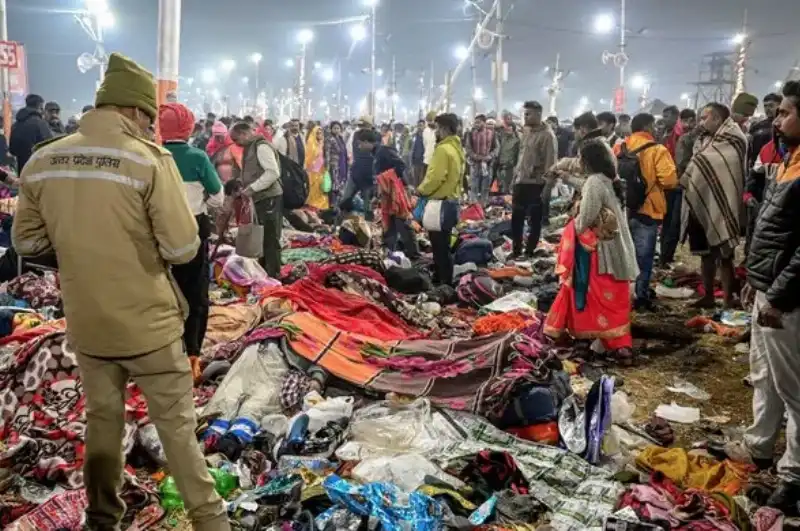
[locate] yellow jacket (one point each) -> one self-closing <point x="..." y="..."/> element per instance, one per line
<point x="113" y="208"/>
<point x="445" y="171"/>
<point x="658" y="170"/>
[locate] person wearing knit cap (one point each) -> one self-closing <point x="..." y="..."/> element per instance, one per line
<point x="113" y="208"/>
<point x="203" y="189"/>
<point x="743" y="108"/>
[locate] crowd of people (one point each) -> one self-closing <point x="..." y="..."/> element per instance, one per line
<point x="131" y="223"/>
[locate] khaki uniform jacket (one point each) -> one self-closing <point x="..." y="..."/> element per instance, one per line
<point x="113" y="208"/>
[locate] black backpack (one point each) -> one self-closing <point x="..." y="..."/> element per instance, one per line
<point x="294" y="180"/>
<point x="630" y="171"/>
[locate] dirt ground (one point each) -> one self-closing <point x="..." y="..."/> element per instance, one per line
<point x="667" y="350"/>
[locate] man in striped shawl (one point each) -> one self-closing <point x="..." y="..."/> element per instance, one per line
<point x="712" y="200"/>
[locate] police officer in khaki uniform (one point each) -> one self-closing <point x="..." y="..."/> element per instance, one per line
<point x="112" y="206"/>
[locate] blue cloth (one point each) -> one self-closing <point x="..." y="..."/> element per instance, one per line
<point x="644" y="237"/>
<point x="478" y="251"/>
<point x="362" y="172"/>
<point x="581" y="276"/>
<point x="418" y="150"/>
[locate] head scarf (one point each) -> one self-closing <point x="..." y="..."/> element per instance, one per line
<point x="314" y="148"/>
<point x="175" y="122"/>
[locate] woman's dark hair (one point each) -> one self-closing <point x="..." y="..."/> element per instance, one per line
<point x="448" y="121"/>
<point x="598" y="158"/>
<point x="334" y="123"/>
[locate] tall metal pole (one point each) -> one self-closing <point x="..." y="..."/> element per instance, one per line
<point x="4" y="78"/>
<point x="301" y="83"/>
<point x="741" y="59"/>
<point x="500" y="65"/>
<point x="169" y="46"/>
<point x="474" y="85"/>
<point x="430" y="90"/>
<point x="454" y="73"/>
<point x="622" y="31"/>
<point x="393" y="94"/>
<point x="372" y="64"/>
<point x="555" y="86"/>
<point x="339" y="90"/>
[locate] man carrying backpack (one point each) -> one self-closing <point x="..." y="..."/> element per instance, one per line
<point x="648" y="171"/>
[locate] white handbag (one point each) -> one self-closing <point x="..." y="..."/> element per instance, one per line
<point x="432" y="215"/>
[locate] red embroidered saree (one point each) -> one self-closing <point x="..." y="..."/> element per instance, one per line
<point x="588" y="305"/>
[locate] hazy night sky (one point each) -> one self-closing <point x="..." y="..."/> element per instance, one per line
<point x="676" y="34"/>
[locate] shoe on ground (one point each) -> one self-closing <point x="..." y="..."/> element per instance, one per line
<point x="738" y="452"/>
<point x="785" y="498"/>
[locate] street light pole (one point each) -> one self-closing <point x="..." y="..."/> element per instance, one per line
<point x="500" y="66"/>
<point x="169" y="35"/>
<point x="301" y="83"/>
<point x="4" y="78"/>
<point x="372" y="65"/>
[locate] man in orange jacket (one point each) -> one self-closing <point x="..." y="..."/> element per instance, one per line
<point x="660" y="175"/>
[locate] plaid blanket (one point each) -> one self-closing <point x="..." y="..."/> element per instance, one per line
<point x="476" y="375"/>
<point x="713" y="184"/>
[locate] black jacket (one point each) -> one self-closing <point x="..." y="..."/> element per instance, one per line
<point x="30" y="129"/>
<point x="773" y="265"/>
<point x="386" y="158"/>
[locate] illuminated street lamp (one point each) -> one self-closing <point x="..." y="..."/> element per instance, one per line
<point x="94" y="19"/>
<point x="640" y="82"/>
<point x="778" y="84"/>
<point x="358" y="33"/>
<point x="461" y="52"/>
<point x="208" y="76"/>
<point x="478" y="94"/>
<point x="739" y="39"/>
<point x="327" y="75"/>
<point x="228" y="65"/>
<point x="604" y="24"/>
<point x="289" y="63"/>
<point x="256" y="60"/>
<point x="304" y="37"/>
<point x="373" y="5"/>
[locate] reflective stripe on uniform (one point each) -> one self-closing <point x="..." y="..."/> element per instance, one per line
<point x="77" y="174"/>
<point x="170" y="254"/>
<point x="93" y="151"/>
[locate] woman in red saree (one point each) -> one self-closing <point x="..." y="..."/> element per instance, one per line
<point x="596" y="263"/>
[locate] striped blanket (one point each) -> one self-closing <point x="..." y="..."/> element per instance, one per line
<point x="475" y="375"/>
<point x="713" y="184"/>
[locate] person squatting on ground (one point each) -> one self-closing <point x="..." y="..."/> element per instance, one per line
<point x="113" y="207"/>
<point x="538" y="153"/>
<point x="203" y="190"/>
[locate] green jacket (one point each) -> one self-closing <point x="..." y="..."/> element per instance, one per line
<point x="509" y="149"/>
<point x="445" y="172"/>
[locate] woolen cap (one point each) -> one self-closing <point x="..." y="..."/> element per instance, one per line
<point x="127" y="84"/>
<point x="745" y="104"/>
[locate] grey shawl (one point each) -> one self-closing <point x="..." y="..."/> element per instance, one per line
<point x="617" y="257"/>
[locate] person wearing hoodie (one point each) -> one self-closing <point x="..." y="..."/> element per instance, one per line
<point x="52" y="114"/>
<point x="30" y="129"/>
<point x="442" y="182"/>
<point x="203" y="189"/>
<point x="538" y="153"/>
<point x="362" y="172"/>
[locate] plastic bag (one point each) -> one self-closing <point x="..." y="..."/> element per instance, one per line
<point x="676" y="413"/>
<point x="327" y="183"/>
<point x="572" y="425"/>
<point x="666" y="292"/>
<point x="689" y="389"/>
<point x="396" y="510"/>
<point x="385" y="429"/>
<point x="407" y="471"/>
<point x="330" y="410"/>
<point x="516" y="300"/>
